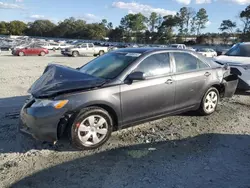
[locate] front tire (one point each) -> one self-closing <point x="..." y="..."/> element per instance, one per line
<point x="75" y="54"/>
<point x="91" y="128"/>
<point x="42" y="54"/>
<point x="209" y="101"/>
<point x="21" y="53"/>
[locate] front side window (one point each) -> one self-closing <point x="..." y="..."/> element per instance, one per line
<point x="186" y="62"/>
<point x="155" y="65"/>
<point x="84" y="46"/>
<point x="110" y="65"/>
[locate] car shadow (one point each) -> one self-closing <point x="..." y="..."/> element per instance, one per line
<point x="11" y="140"/>
<point x="209" y="160"/>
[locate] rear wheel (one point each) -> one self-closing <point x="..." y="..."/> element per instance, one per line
<point x="42" y="54"/>
<point x="101" y="53"/>
<point x="75" y="54"/>
<point x="91" y="128"/>
<point x="209" y="102"/>
<point x="21" y="54"/>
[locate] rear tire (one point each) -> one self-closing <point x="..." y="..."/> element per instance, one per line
<point x="101" y="53"/>
<point x="75" y="54"/>
<point x="21" y="53"/>
<point x="209" y="102"/>
<point x="91" y="128"/>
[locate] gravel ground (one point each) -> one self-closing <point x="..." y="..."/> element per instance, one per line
<point x="181" y="151"/>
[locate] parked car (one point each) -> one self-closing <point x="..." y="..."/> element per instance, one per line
<point x="208" y="52"/>
<point x="238" y="57"/>
<point x="179" y="46"/>
<point x="31" y="50"/>
<point x="85" y="49"/>
<point x="119" y="89"/>
<point x="50" y="46"/>
<point x="63" y="46"/>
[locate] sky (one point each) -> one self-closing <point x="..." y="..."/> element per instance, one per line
<point x="113" y="11"/>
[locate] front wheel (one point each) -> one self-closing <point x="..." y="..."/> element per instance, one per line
<point x="42" y="54"/>
<point x="75" y="54"/>
<point x="21" y="54"/>
<point x="91" y="128"/>
<point x="209" y="101"/>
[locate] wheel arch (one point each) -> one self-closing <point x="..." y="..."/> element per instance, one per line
<point x="67" y="120"/>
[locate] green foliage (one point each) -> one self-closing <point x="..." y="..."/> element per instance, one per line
<point x="227" y="25"/>
<point x="200" y="20"/>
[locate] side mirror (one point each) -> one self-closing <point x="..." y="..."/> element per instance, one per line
<point x="136" y="76"/>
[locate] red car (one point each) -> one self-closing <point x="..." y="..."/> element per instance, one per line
<point x="31" y="50"/>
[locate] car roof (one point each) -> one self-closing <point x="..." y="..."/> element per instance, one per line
<point x="148" y="50"/>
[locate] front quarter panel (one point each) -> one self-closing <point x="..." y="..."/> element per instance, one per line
<point x="108" y="96"/>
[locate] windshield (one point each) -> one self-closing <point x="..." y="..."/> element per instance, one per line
<point x="109" y="65"/>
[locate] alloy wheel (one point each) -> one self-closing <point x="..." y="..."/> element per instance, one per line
<point x="92" y="130"/>
<point x="211" y="101"/>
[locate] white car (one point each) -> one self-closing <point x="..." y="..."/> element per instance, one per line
<point x="238" y="58"/>
<point x="64" y="46"/>
<point x="179" y="46"/>
<point x="207" y="52"/>
<point x="85" y="49"/>
<point x="50" y="46"/>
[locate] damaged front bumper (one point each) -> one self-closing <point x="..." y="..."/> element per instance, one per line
<point x="40" y="122"/>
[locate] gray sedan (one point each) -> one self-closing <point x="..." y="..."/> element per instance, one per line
<point x="119" y="89"/>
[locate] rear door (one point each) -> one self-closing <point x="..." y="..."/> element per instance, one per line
<point x="152" y="96"/>
<point x="191" y="78"/>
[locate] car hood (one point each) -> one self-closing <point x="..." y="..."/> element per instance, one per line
<point x="57" y="79"/>
<point x="233" y="60"/>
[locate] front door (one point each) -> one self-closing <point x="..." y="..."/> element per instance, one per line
<point x="153" y="96"/>
<point x="91" y="49"/>
<point x="191" y="79"/>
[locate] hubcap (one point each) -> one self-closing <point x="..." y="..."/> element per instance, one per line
<point x="92" y="130"/>
<point x="211" y="101"/>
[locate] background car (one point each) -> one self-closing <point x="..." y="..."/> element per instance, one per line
<point x="207" y="52"/>
<point x="85" y="49"/>
<point x="238" y="57"/>
<point x="120" y="89"/>
<point x="31" y="50"/>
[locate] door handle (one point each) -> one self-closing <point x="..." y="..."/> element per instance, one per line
<point x="169" y="81"/>
<point x="207" y="74"/>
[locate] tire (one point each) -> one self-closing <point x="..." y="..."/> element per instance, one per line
<point x="101" y="53"/>
<point x="82" y="134"/>
<point x="75" y="53"/>
<point x="209" y="101"/>
<point x="21" y="54"/>
<point x="42" y="53"/>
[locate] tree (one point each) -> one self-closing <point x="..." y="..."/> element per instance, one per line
<point x="41" y="28"/>
<point x="245" y="18"/>
<point x="153" y="19"/>
<point x="16" y="27"/>
<point x="166" y="29"/>
<point x="200" y="20"/>
<point x="3" y="28"/>
<point x="227" y="25"/>
<point x="110" y="25"/>
<point x="185" y="16"/>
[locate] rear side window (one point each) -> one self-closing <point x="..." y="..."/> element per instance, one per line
<point x="155" y="65"/>
<point x="91" y="45"/>
<point x="186" y="62"/>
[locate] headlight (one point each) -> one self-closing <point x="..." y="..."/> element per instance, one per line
<point x="56" y="104"/>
